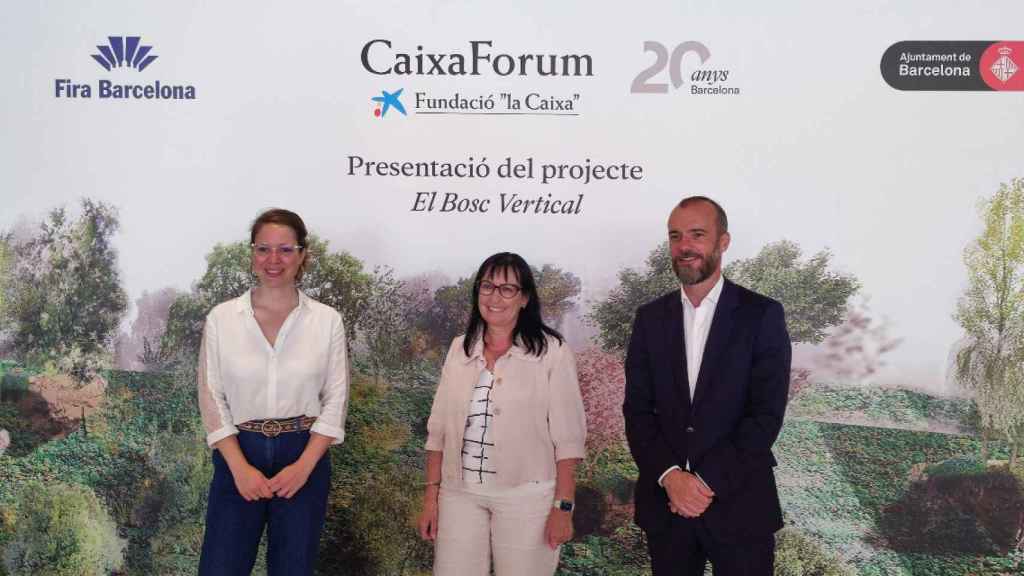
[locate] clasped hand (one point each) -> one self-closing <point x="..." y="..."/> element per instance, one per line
<point x="253" y="485"/>
<point x="687" y="495"/>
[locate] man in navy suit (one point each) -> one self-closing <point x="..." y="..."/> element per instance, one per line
<point x="707" y="377"/>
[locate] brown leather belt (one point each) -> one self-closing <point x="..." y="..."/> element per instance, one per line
<point x="271" y="427"/>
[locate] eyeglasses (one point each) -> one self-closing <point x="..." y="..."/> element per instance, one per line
<point x="506" y="290"/>
<point x="284" y="250"/>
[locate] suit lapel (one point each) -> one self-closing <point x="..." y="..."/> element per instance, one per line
<point x="677" y="347"/>
<point x="718" y="338"/>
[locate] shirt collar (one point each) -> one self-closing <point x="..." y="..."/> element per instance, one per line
<point x="477" y="351"/>
<point x="712" y="296"/>
<point x="245" y="301"/>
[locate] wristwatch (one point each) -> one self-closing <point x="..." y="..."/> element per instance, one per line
<point x="564" y="505"/>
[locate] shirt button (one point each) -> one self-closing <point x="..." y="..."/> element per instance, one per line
<point x="689" y="429"/>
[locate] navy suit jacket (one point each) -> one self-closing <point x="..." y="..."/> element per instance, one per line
<point x="727" y="429"/>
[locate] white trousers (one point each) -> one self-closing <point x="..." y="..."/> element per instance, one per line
<point x="478" y="522"/>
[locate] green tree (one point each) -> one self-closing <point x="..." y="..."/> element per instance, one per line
<point x="557" y="290"/>
<point x="448" y="317"/>
<point x="336" y="279"/>
<point x="68" y="301"/>
<point x="991" y="312"/>
<point x="184" y="330"/>
<point x="384" y="323"/>
<point x="814" y="297"/>
<point x="228" y="274"/>
<point x="613" y="316"/>
<point x="62" y="529"/>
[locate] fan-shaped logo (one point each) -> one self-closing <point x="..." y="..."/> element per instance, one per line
<point x="124" y="52"/>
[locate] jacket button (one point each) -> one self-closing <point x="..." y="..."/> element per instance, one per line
<point x="497" y="380"/>
<point x="689" y="429"/>
<point x="497" y="411"/>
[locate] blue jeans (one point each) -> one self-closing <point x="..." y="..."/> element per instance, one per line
<point x="234" y="527"/>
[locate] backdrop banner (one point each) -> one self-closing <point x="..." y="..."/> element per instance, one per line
<point x="867" y="155"/>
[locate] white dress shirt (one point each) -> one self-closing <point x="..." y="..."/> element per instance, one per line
<point x="696" y="327"/>
<point x="242" y="377"/>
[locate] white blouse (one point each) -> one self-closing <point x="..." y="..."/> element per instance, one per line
<point x="242" y="377"/>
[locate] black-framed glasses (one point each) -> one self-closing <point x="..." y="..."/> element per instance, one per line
<point x="506" y="290"/>
<point x="284" y="250"/>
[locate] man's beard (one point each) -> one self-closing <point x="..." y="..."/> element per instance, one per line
<point x="689" y="276"/>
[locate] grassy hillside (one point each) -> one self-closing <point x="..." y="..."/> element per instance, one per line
<point x="883" y="499"/>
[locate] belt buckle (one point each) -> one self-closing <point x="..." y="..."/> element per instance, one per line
<point x="271" y="428"/>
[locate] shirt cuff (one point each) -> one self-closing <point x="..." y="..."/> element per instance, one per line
<point x="566" y="450"/>
<point x="665" y="473"/>
<point x="327" y="430"/>
<point x="220" y="434"/>
<point x="702" y="481"/>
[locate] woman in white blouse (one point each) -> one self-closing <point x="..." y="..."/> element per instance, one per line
<point x="273" y="387"/>
<point x="504" y="436"/>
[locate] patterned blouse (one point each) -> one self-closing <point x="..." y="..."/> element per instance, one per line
<point x="477" y="443"/>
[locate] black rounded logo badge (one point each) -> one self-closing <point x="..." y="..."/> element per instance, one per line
<point x="954" y="65"/>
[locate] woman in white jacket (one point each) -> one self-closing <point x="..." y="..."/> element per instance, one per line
<point x="504" y="436"/>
